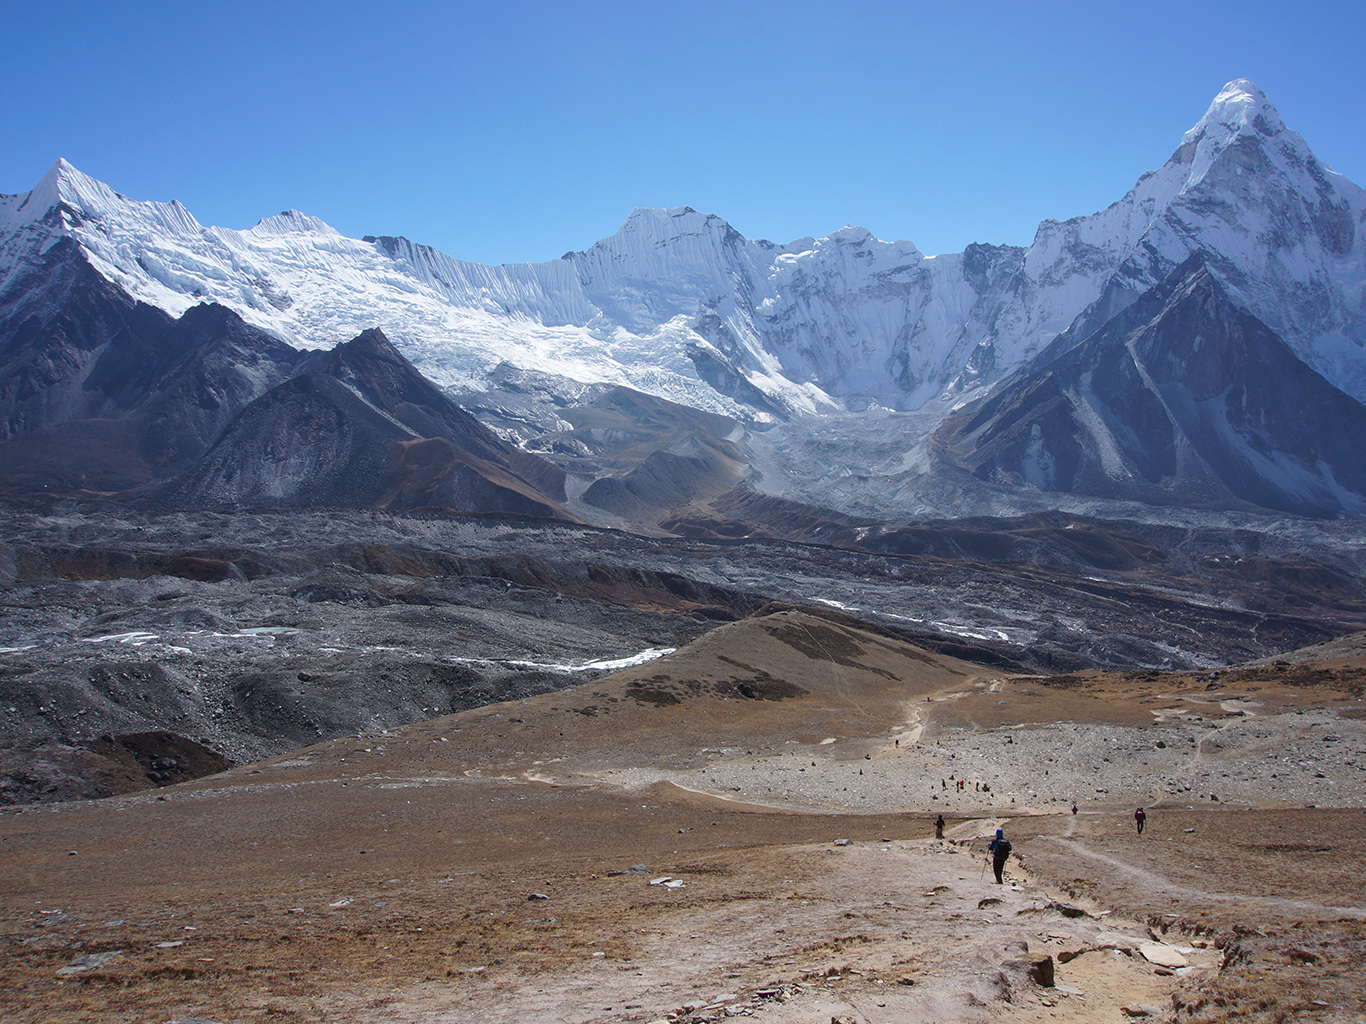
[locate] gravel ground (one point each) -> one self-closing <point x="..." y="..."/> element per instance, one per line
<point x="1252" y="748"/>
<point x="518" y="862"/>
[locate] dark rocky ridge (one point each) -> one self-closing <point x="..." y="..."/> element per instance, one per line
<point x="1181" y="398"/>
<point x="103" y="396"/>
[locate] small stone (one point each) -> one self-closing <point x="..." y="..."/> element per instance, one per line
<point x="1116" y="940"/>
<point x="538" y="896"/>
<point x="89" y="962"/>
<point x="1039" y="969"/>
<point x="1066" y="910"/>
<point x="1161" y="954"/>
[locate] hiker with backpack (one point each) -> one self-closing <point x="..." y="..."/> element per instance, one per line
<point x="999" y="849"/>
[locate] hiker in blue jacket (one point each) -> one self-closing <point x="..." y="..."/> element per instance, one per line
<point x="1000" y="850"/>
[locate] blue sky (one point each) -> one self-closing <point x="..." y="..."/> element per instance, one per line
<point x="517" y="131"/>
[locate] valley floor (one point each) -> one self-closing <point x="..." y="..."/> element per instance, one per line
<point x="661" y="845"/>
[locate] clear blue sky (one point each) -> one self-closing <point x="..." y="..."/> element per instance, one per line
<point x="517" y="131"/>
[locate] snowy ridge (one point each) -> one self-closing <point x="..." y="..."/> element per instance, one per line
<point x="845" y="320"/>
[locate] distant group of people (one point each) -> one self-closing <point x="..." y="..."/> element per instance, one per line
<point x="961" y="785"/>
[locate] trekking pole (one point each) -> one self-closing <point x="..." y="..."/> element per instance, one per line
<point x="983" y="876"/>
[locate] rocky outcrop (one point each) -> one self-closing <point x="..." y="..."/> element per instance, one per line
<point x="1181" y="398"/>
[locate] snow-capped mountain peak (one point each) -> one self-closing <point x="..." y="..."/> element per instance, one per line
<point x="93" y="200"/>
<point x="62" y="184"/>
<point x="852" y="234"/>
<point x="679" y="304"/>
<point x="292" y="222"/>
<point x="1244" y="128"/>
<point x="1240" y="108"/>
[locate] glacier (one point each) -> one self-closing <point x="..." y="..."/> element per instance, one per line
<point x="680" y="305"/>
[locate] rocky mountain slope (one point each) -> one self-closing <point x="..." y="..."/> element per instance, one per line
<point x="1180" y="398"/>
<point x="104" y="395"/>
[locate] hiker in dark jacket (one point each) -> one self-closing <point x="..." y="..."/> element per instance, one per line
<point x="1000" y="850"/>
<point x="939" y="828"/>
<point x="1140" y="819"/>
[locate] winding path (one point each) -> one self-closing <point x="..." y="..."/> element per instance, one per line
<point x="1159" y="883"/>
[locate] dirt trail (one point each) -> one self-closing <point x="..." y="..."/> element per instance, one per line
<point x="1160" y="887"/>
<point x="886" y="931"/>
<point x="496" y="865"/>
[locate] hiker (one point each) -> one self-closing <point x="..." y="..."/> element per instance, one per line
<point x="1139" y="819"/>
<point x="999" y="850"/>
<point x="1074" y="807"/>
<point x="939" y="828"/>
